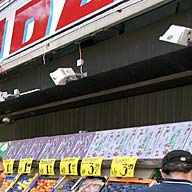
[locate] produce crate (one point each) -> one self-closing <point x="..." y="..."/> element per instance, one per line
<point x="91" y="184"/>
<point x="7" y="182"/>
<point x="67" y="183"/>
<point x="21" y="183"/>
<point x="126" y="184"/>
<point x="43" y="184"/>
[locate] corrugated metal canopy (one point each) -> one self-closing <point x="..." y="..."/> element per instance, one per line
<point x="168" y="70"/>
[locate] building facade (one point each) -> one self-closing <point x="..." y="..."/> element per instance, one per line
<point x="133" y="79"/>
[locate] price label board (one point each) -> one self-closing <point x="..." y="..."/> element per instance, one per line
<point x="25" y="165"/>
<point x="8" y="165"/>
<point x="91" y="166"/>
<point x="123" y="166"/>
<point x="69" y="166"/>
<point x="46" y="166"/>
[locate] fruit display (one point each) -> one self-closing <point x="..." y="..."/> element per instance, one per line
<point x="6" y="183"/>
<point x="21" y="184"/>
<point x="91" y="184"/>
<point x="67" y="183"/>
<point x="44" y="185"/>
<point x="121" y="188"/>
<point x="126" y="184"/>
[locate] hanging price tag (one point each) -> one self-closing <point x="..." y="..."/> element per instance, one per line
<point x="91" y="166"/>
<point x="46" y="166"/>
<point x="25" y="165"/>
<point x="123" y="166"/>
<point x="8" y="165"/>
<point x="68" y="166"/>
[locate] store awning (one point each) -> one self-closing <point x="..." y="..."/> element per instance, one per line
<point x="165" y="71"/>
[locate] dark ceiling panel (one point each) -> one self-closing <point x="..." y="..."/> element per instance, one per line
<point x="165" y="65"/>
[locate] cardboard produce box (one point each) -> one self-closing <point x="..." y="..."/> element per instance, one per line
<point x="126" y="184"/>
<point x="67" y="183"/>
<point x="43" y="184"/>
<point x="21" y="183"/>
<point x="9" y="179"/>
<point x="91" y="184"/>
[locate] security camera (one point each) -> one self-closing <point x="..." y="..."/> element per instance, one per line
<point x="62" y="75"/>
<point x="6" y="120"/>
<point x="3" y="96"/>
<point x="178" y="34"/>
<point x="16" y="92"/>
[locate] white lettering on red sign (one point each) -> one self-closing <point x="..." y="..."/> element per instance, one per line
<point x="26" y="22"/>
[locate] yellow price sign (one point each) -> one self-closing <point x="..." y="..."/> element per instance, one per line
<point x="69" y="166"/>
<point x="46" y="166"/>
<point x="91" y="166"/>
<point x="8" y="165"/>
<point x="123" y="166"/>
<point x="25" y="165"/>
